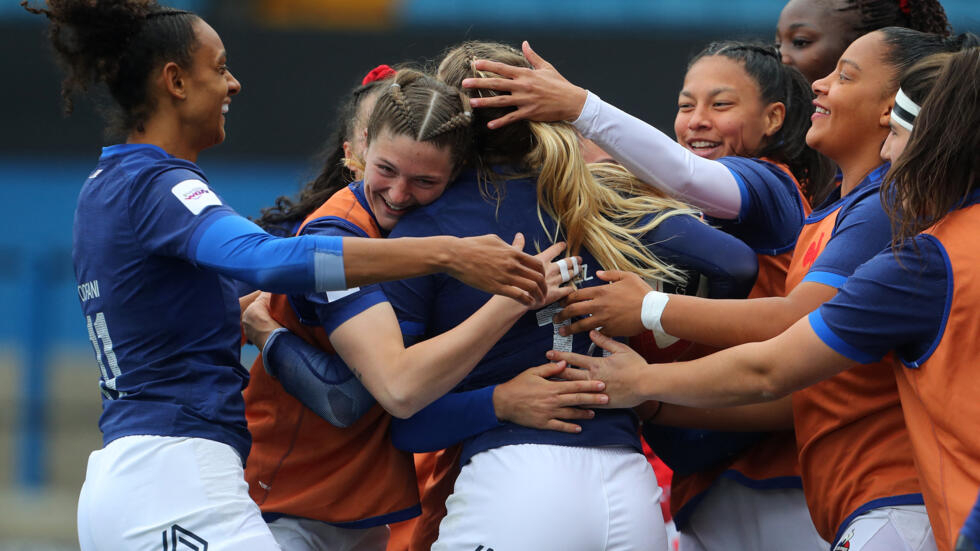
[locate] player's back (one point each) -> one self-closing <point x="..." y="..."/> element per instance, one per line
<point x="164" y="331"/>
<point x="431" y="305"/>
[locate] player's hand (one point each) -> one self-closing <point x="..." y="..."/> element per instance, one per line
<point x="245" y="301"/>
<point x="615" y="307"/>
<point x="557" y="274"/>
<point x="489" y="264"/>
<point x="541" y="94"/>
<point x="621" y="371"/>
<point x="532" y="400"/>
<point x="257" y="321"/>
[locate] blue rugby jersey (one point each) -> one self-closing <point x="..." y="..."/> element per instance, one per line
<point x="150" y="237"/>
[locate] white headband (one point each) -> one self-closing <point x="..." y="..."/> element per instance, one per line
<point x="905" y="111"/>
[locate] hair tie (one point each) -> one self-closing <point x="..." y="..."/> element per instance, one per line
<point x="904" y="111"/>
<point x="380" y="72"/>
<point x="904" y="6"/>
<point x="395" y="85"/>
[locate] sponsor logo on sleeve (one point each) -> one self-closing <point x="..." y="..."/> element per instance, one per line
<point x="195" y="195"/>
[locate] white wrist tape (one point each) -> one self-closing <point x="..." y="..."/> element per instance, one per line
<point x="653" y="307"/>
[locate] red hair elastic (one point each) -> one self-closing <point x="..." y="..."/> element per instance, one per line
<point x="382" y="72"/>
<point x="904" y="6"/>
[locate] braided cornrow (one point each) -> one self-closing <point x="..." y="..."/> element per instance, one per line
<point x="420" y="106"/>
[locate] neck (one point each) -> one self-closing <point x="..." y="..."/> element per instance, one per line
<point x="165" y="133"/>
<point x="856" y="167"/>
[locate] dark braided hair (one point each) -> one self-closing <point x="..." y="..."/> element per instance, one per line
<point x="927" y="16"/>
<point x="783" y="84"/>
<point x="281" y="218"/>
<point x="117" y="43"/>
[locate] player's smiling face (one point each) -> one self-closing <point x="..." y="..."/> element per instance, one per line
<point x="209" y="86"/>
<point x="401" y="174"/>
<point x="853" y="103"/>
<point x="720" y="112"/>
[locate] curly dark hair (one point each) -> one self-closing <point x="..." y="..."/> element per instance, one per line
<point x="117" y="43"/>
<point x="926" y="16"/>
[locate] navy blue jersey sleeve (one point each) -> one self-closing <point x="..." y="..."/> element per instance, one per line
<point x="892" y="302"/>
<point x="165" y="211"/>
<point x="447" y="421"/>
<point x="320" y="381"/>
<point x="862" y="230"/>
<point x="235" y="247"/>
<point x="333" y="308"/>
<point x="729" y="265"/>
<point x="771" y="214"/>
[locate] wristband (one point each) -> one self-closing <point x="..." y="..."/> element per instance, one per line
<point x="653" y="307"/>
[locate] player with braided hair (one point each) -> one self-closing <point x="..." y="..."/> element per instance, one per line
<point x="322" y="467"/>
<point x="156" y="253"/>
<point x="812" y="34"/>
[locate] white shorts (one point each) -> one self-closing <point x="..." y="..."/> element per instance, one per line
<point x="533" y="497"/>
<point x="899" y="528"/>
<point x="303" y="534"/>
<point x="166" y="493"/>
<point x="733" y="516"/>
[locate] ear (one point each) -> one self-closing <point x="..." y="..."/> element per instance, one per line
<point x="173" y="80"/>
<point x="885" y="117"/>
<point x="775" y="115"/>
<point x="348" y="150"/>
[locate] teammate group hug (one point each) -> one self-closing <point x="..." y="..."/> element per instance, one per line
<point x="513" y="280"/>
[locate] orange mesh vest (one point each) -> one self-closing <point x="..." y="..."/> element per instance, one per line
<point x="772" y="462"/>
<point x="853" y="444"/>
<point x="941" y="397"/>
<point x="302" y="466"/>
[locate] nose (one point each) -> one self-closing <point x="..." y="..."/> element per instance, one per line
<point x="399" y="192"/>
<point x="820" y="85"/>
<point x="234" y="86"/>
<point x="785" y="58"/>
<point x="699" y="118"/>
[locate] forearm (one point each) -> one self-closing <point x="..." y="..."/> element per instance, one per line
<point x="745" y="374"/>
<point x="319" y="380"/>
<point x="727" y="322"/>
<point x="765" y="416"/>
<point x="431" y="368"/>
<point x="375" y="260"/>
<point x="660" y="161"/>
<point x="447" y="421"/>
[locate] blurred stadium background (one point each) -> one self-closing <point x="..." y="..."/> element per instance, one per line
<point x="295" y="58"/>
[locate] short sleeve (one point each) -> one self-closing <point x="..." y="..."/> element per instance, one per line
<point x="771" y="214"/>
<point x="892" y="302"/>
<point x="862" y="230"/>
<point x="168" y="209"/>
<point x="331" y="309"/>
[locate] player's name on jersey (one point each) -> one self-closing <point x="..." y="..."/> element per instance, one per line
<point x="88" y="290"/>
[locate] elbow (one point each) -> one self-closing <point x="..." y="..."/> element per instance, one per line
<point x="400" y="402"/>
<point x="770" y="385"/>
